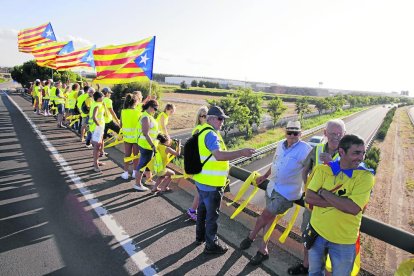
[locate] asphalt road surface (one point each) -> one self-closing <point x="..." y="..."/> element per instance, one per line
<point x="57" y="216"/>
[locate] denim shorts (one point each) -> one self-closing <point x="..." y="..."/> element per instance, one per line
<point x="277" y="204"/>
<point x="145" y="157"/>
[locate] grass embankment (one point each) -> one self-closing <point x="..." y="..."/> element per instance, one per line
<point x="2" y="80"/>
<point x="277" y="134"/>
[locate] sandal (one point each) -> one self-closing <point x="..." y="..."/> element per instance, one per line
<point x="298" y="269"/>
<point x="166" y="190"/>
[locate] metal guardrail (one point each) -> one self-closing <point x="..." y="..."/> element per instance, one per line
<point x="409" y="114"/>
<point x="377" y="229"/>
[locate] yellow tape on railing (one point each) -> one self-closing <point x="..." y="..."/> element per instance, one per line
<point x="73" y="122"/>
<point x="285" y="234"/>
<point x="405" y="268"/>
<point x="118" y="139"/>
<point x="243" y="189"/>
<point x="131" y="158"/>
<point x="185" y="176"/>
<point x="272" y="227"/>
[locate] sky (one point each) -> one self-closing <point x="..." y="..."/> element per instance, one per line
<point x="364" y="45"/>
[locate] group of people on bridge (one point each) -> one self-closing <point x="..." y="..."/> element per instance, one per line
<point x="331" y="177"/>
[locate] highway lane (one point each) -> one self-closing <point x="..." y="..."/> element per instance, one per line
<point x="58" y="216"/>
<point x="362" y="124"/>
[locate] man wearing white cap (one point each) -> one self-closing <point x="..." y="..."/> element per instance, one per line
<point x="285" y="185"/>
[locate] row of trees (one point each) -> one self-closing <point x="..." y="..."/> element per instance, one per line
<point x="30" y="71"/>
<point x="204" y="84"/>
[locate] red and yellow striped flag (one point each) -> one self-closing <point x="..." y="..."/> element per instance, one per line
<point x="125" y="63"/>
<point x="45" y="54"/>
<point x="27" y="39"/>
<point x="76" y="59"/>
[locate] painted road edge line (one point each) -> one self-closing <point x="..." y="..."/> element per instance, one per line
<point x="137" y="255"/>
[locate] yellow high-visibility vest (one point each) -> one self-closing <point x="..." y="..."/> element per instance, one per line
<point x="130" y="121"/>
<point x="153" y="132"/>
<point x="99" y="115"/>
<point x="47" y="91"/>
<point x="165" y="116"/>
<point x="214" y="173"/>
<point x="52" y="94"/>
<point x="319" y="150"/>
<point x="72" y="96"/>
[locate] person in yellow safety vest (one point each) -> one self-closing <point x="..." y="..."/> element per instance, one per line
<point x="72" y="98"/>
<point x="37" y="95"/>
<point x="147" y="140"/>
<point x="160" y="162"/>
<point x="84" y="116"/>
<point x="321" y="154"/>
<point x="96" y="127"/>
<point x="211" y="180"/>
<point x="129" y="124"/>
<point x="52" y="97"/>
<point x="111" y="120"/>
<point x="200" y="121"/>
<point x="338" y="191"/>
<point x="46" y="98"/>
<point x="60" y="102"/>
<point x="66" y="89"/>
<point x="162" y="118"/>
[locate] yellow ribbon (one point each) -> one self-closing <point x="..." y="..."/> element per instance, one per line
<point x="285" y="233"/>
<point x="131" y="158"/>
<point x="405" y="268"/>
<point x="117" y="138"/>
<point x="251" y="180"/>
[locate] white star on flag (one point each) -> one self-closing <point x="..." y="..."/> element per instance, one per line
<point x="89" y="58"/>
<point x="64" y="53"/>
<point x="49" y="33"/>
<point x="144" y="59"/>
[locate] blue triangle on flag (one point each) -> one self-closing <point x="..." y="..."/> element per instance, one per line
<point x="67" y="48"/>
<point x="88" y="57"/>
<point x="49" y="33"/>
<point x="146" y="60"/>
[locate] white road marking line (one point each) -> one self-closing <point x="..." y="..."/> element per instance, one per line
<point x="137" y="255"/>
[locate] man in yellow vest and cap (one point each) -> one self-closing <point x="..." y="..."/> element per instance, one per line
<point x="211" y="180"/>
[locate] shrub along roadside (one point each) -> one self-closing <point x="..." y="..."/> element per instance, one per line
<point x="382" y="131"/>
<point x="372" y="158"/>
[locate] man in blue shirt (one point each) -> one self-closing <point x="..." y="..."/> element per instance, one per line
<point x="211" y="180"/>
<point x="285" y="185"/>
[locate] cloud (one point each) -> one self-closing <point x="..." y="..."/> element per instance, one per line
<point x="8" y="34"/>
<point x="78" y="42"/>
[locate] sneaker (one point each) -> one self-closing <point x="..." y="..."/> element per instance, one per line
<point x="140" y="188"/>
<point x="98" y="170"/>
<point x="246" y="243"/>
<point x="89" y="146"/>
<point x="217" y="248"/>
<point x="192" y="214"/>
<point x="259" y="258"/>
<point x="133" y="173"/>
<point x="125" y="175"/>
<point x="150" y="182"/>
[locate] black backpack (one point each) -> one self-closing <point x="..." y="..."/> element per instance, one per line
<point x="192" y="163"/>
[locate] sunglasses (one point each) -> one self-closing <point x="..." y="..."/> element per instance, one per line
<point x="155" y="108"/>
<point x="220" y="119"/>
<point x="292" y="132"/>
<point x="203" y="116"/>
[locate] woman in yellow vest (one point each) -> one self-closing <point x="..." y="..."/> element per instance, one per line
<point x="129" y="124"/>
<point x="147" y="140"/>
<point x="37" y="95"/>
<point x="162" y="118"/>
<point x="46" y="90"/>
<point x="60" y="103"/>
<point x="200" y="121"/>
<point x="96" y="127"/>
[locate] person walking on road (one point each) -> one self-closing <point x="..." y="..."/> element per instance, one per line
<point x="321" y="154"/>
<point x="96" y="127"/>
<point x="285" y="185"/>
<point x="147" y="140"/>
<point x="162" y="118"/>
<point x="338" y="191"/>
<point x="129" y="123"/>
<point x="212" y="179"/>
<point x="201" y="119"/>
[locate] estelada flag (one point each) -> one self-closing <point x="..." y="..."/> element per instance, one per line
<point x="125" y="63"/>
<point x="82" y="58"/>
<point x="45" y="54"/>
<point x="27" y="39"/>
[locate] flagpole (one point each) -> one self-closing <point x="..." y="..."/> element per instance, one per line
<point x="52" y="73"/>
<point x="150" y="87"/>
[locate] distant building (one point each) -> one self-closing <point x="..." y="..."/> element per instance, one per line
<point x="405" y="93"/>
